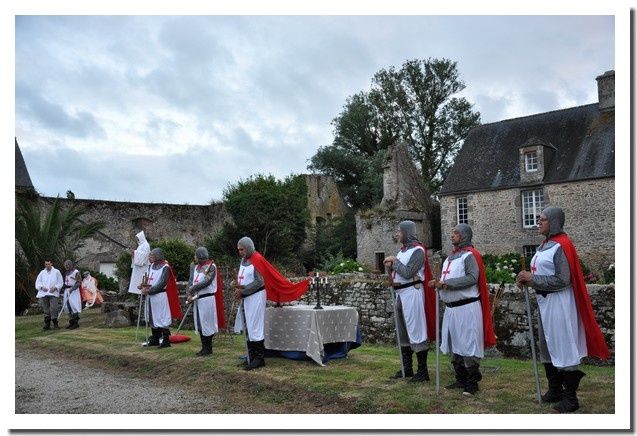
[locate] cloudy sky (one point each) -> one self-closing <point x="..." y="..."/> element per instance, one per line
<point x="172" y="109"/>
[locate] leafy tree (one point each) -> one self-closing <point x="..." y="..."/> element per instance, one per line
<point x="416" y="104"/>
<point x="330" y="239"/>
<point x="179" y="254"/>
<point x="55" y="235"/>
<point x="272" y="212"/>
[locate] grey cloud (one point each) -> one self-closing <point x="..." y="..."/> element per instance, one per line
<point x="81" y="124"/>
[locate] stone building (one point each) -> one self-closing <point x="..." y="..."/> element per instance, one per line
<point x="405" y="197"/>
<point x="508" y="171"/>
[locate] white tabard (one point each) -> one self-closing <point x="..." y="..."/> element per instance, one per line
<point x="563" y="329"/>
<point x="73" y="299"/>
<point x="412" y="300"/>
<point x="49" y="279"/>
<point x="205" y="307"/>
<point x="158" y="303"/>
<point x="254" y="306"/>
<point x="462" y="325"/>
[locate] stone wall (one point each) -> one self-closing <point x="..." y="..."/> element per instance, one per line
<point x="123" y="220"/>
<point x="496" y="219"/>
<point x="371" y="297"/>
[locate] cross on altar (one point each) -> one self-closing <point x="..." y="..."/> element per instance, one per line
<point x="447" y="271"/>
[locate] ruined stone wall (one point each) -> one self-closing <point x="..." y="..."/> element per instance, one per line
<point x="496" y="219"/>
<point x="159" y="221"/>
<point x="324" y="201"/>
<point x="368" y="294"/>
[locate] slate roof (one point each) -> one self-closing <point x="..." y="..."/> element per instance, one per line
<point x="583" y="137"/>
<point x="22" y="178"/>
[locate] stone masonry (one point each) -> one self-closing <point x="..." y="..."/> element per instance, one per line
<point x="496" y="219"/>
<point x="372" y="298"/>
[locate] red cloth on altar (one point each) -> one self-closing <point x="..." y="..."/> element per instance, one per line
<point x="277" y="288"/>
<point x="595" y="342"/>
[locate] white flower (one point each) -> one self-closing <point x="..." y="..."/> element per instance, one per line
<point x="513" y="275"/>
<point x="514" y="261"/>
<point x="611" y="266"/>
<point x="497" y="268"/>
<point x="360" y="268"/>
<point x="343" y="264"/>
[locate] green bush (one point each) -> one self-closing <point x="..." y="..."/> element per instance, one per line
<point x="179" y="254"/>
<point x="123" y="267"/>
<point x="503" y="268"/>
<point x="339" y="264"/>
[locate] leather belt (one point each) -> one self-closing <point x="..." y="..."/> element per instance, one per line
<point x="462" y="302"/>
<point x="397" y="286"/>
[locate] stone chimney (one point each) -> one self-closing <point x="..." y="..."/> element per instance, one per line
<point x="606" y="91"/>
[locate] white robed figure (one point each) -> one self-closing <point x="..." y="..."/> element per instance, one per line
<point x="139" y="263"/>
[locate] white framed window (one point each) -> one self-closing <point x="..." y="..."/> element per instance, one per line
<point x="532" y="205"/>
<point x="530" y="161"/>
<point x="462" y="210"/>
<point x="529" y="251"/>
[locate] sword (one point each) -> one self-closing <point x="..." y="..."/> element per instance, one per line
<point x="245" y="330"/>
<point x="64" y="300"/>
<point x="394" y="300"/>
<point x="436" y="276"/>
<point x="531" y="337"/>
<point x="186" y="314"/>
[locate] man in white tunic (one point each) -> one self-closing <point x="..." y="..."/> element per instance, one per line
<point x="462" y="333"/>
<point x="567" y="329"/>
<point x="408" y="280"/>
<point x="48" y="285"/>
<point x="201" y="294"/>
<point x="250" y="290"/>
<point x="72" y="296"/>
<point x="157" y="308"/>
<point x="139" y="263"/>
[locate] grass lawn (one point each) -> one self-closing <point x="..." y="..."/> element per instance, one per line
<point x="357" y="384"/>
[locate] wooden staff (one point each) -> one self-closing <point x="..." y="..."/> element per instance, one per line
<point x="139" y="309"/>
<point x="531" y="336"/>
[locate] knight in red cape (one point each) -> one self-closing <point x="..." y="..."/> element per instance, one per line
<point x="567" y="327"/>
<point x="258" y="281"/>
<point x="467" y="326"/>
<point x="162" y="301"/>
<point x="205" y="292"/>
<point x="414" y="308"/>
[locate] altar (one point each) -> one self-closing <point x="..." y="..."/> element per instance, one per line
<point x="302" y="328"/>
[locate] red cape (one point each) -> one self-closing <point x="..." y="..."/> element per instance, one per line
<point x="173" y="295"/>
<point x="595" y="342"/>
<point x="487" y="321"/>
<point x="277" y="288"/>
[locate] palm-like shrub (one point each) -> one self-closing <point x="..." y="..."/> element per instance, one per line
<point x="54" y="235"/>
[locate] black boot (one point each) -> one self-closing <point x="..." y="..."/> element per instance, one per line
<point x="55" y="324"/>
<point x="569" y="402"/>
<point x="206" y="346"/>
<point x="249" y="355"/>
<point x="47" y="323"/>
<point x="259" y="356"/>
<point x="74" y="322"/>
<point x="203" y="345"/>
<point x="405" y="354"/>
<point x="422" y="374"/>
<point x="555" y="379"/>
<point x="164" y="342"/>
<point x="473" y="377"/>
<point x="461" y="375"/>
<point x="154" y="338"/>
